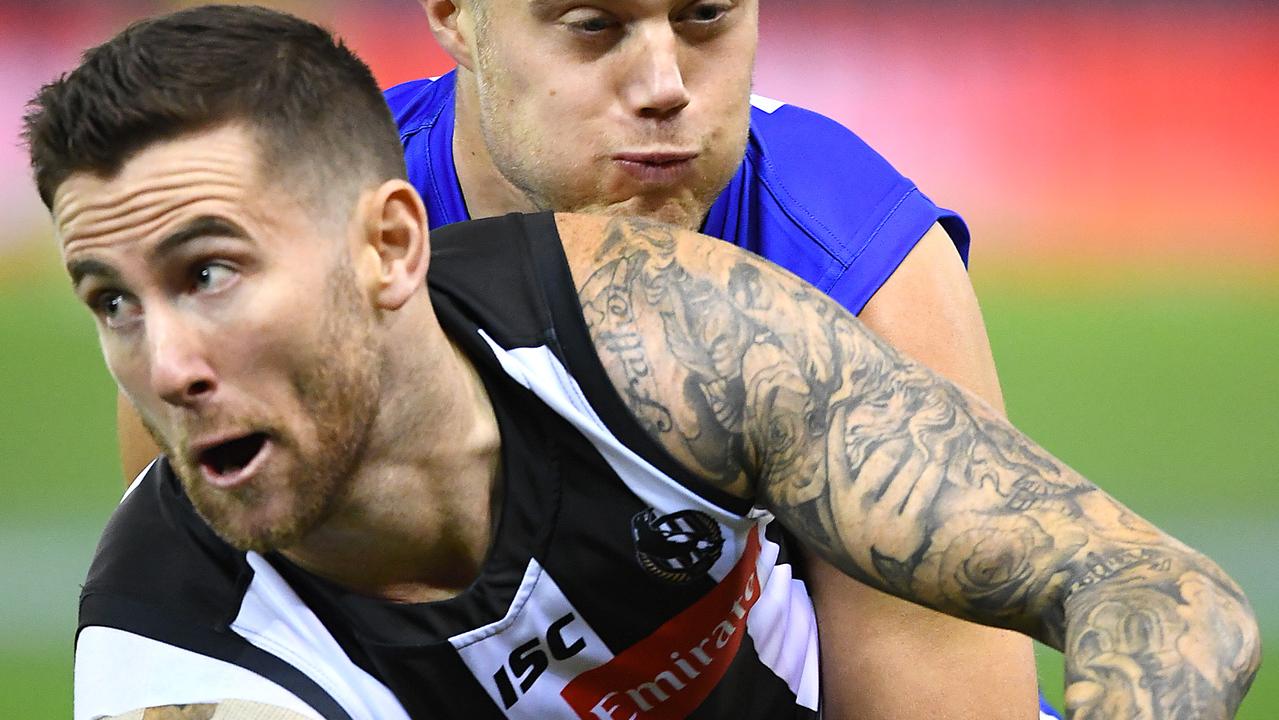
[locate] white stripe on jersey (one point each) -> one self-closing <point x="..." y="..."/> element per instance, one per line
<point x="785" y="631"/>
<point x="274" y="618"/>
<point x="525" y="659"/>
<point x="138" y="480"/>
<point x="117" y="671"/>
<point x="784" y="628"/>
<point x="768" y="105"/>
<point x="539" y="370"/>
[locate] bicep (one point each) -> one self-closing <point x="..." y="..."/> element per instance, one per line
<point x="928" y="310"/>
<point x="889" y="658"/>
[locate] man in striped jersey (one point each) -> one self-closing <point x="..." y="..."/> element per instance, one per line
<point x="548" y="486"/>
<point x="643" y="107"/>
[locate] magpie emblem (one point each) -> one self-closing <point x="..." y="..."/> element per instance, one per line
<point x="678" y="548"/>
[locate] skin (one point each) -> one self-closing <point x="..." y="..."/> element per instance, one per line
<point x="905" y="481"/>
<point x="215" y="359"/>
<point x="241" y="709"/>
<point x="767" y="389"/>
<point x="549" y="95"/>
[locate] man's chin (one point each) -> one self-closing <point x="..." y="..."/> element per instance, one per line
<point x="680" y="212"/>
<point x="259" y="529"/>
<point x="261" y="538"/>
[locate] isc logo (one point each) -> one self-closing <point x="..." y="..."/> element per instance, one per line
<point x="528" y="661"/>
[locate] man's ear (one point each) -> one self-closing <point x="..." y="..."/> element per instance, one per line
<point x="453" y="25"/>
<point x="395" y="247"/>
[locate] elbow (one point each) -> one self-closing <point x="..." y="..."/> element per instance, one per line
<point x="1251" y="651"/>
<point x="1217" y="609"/>
<point x="1181" y="619"/>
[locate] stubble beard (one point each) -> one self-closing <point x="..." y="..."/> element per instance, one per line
<point x="337" y="389"/>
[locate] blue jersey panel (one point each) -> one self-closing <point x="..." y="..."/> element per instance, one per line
<point x="809" y="195"/>
<point x="815" y="199"/>
<point x="424" y="111"/>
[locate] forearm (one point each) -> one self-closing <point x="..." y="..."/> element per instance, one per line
<point x="885" y="469"/>
<point x="883" y="657"/>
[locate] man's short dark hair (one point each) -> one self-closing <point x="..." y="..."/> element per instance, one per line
<point x="311" y="103"/>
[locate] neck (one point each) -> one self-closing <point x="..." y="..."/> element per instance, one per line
<point x="418" y="521"/>
<point x="486" y="190"/>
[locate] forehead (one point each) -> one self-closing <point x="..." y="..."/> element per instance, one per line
<point x="217" y="167"/>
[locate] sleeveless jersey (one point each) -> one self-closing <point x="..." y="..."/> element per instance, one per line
<point x="809" y="195"/>
<point x="618" y="584"/>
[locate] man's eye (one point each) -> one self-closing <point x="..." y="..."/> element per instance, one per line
<point x="115" y="308"/>
<point x="212" y="277"/>
<point x="588" y="23"/>
<point x="705" y="12"/>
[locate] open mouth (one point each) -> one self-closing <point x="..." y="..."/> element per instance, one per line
<point x="225" y="462"/>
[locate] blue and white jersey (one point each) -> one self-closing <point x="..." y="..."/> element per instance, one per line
<point x="809" y="196"/>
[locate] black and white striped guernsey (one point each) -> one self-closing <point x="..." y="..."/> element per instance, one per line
<point x="617" y="586"/>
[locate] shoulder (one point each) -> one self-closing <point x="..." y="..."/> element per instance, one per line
<point x="224" y="710"/>
<point x="782" y="133"/>
<point x="417" y="104"/>
<point x="156" y="549"/>
<point x="826" y="178"/>
<point x="817" y="199"/>
<point x="161" y="595"/>
<point x="697" y="337"/>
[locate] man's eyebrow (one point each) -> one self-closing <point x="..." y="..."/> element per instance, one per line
<point x="200" y="227"/>
<point x="80" y="269"/>
<point x="543" y="7"/>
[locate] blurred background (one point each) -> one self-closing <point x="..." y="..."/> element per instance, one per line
<point x="1118" y="164"/>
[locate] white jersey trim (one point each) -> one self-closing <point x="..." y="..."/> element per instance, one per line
<point x="273" y="618"/>
<point x="117" y="671"/>
<point x="782" y="624"/>
<point x="539" y="370"/>
<point x="766" y="104"/>
<point x="138" y="480"/>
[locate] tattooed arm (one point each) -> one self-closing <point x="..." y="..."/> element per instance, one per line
<point x="770" y="390"/>
<point x="225" y="710"/>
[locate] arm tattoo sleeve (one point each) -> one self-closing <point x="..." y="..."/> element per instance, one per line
<point x="767" y="388"/>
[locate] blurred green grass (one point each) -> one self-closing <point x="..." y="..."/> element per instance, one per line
<point x="1162" y="387"/>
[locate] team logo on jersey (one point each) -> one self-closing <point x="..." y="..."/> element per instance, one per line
<point x="679" y="547"/>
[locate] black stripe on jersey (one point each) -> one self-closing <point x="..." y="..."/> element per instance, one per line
<point x="584" y="363"/>
<point x="220" y="643"/>
<point x="595" y="532"/>
<point x="484" y="267"/>
<point x="751" y="689"/>
<point x="156" y="547"/>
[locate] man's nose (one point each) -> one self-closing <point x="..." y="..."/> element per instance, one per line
<point x="656" y="86"/>
<point x="180" y="372"/>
